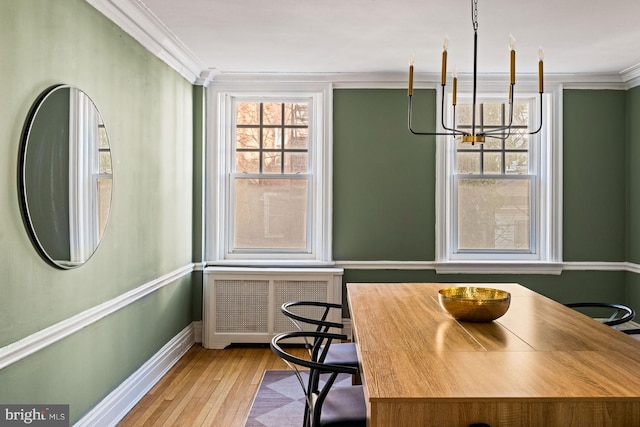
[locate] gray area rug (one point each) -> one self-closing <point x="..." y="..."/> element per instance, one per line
<point x="279" y="401"/>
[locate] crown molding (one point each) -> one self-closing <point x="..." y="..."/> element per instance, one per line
<point x="631" y="76"/>
<point x="398" y="80"/>
<point x="139" y="22"/>
<point x="206" y="77"/>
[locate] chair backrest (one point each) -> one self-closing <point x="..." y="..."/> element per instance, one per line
<point x="315" y="391"/>
<point x="619" y="313"/>
<point x="321" y="323"/>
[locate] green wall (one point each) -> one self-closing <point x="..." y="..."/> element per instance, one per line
<point x="384" y="177"/>
<point x="633" y="175"/>
<point x="148" y="112"/>
<point x="570" y="286"/>
<point x="633" y="193"/>
<point x="384" y="191"/>
<point x="594" y="175"/>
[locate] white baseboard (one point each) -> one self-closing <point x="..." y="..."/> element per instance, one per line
<point x="120" y="401"/>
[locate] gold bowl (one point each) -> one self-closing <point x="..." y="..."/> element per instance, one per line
<point x="470" y="304"/>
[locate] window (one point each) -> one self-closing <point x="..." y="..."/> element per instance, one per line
<point x="498" y="204"/>
<point x="268" y="177"/>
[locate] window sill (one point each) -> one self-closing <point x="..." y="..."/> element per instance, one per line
<point x="499" y="267"/>
<point x="271" y="263"/>
<point x="274" y="269"/>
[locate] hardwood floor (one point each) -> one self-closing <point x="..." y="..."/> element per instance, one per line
<point x="206" y="388"/>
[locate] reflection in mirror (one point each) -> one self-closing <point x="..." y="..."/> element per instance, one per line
<point x="65" y="176"/>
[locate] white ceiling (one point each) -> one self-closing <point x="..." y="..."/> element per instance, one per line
<point x="377" y="36"/>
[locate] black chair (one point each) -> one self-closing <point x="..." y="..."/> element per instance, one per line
<point x="340" y="353"/>
<point x="326" y="406"/>
<point x="615" y="314"/>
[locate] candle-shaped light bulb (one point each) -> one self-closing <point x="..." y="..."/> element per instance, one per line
<point x="455" y="84"/>
<point x="411" y="60"/>
<point x="540" y="70"/>
<point x="512" y="49"/>
<point x="445" y="46"/>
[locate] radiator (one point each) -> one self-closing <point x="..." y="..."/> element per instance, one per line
<point x="242" y="305"/>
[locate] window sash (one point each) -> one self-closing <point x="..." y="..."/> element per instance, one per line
<point x="279" y="131"/>
<point x="531" y="215"/>
<point x="233" y="248"/>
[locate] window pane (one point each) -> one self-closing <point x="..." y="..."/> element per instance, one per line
<point x="296" y="162"/>
<point x="492" y="114"/>
<point x="465" y="145"/>
<point x="271" y="213"/>
<point x="248" y="113"/>
<point x="493" y="144"/>
<point x="103" y="138"/>
<point x="272" y="162"/>
<point x="517" y="163"/>
<point x="518" y="140"/>
<point x="248" y="138"/>
<point x="463" y="115"/>
<point x="296" y="114"/>
<point x="105" y="162"/>
<point x="493" y="163"/>
<point x="248" y="161"/>
<point x="493" y="214"/>
<point x="104" y="203"/>
<point x="271" y="138"/>
<point x="296" y="139"/>
<point x="468" y="162"/>
<point x="521" y="114"/>
<point x="272" y="113"/>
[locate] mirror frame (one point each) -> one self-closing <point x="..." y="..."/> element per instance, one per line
<point x="22" y="181"/>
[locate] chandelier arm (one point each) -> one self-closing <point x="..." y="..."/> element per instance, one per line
<point x="507" y="127"/>
<point x="453" y="131"/>
<point x="540" y="120"/>
<point x="410" y="114"/>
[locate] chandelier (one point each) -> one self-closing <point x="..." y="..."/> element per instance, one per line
<point x="474" y="135"/>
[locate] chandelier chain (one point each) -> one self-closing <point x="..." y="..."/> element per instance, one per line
<point x="474" y="14"/>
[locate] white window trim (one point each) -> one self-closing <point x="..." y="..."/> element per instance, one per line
<point x="219" y="162"/>
<point x="548" y="259"/>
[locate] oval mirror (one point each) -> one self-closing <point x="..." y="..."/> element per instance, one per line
<point x="65" y="176"/>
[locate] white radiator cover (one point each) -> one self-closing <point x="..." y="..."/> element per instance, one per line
<point x="242" y="305"/>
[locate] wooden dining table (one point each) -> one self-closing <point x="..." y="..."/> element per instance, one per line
<point x="540" y="364"/>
